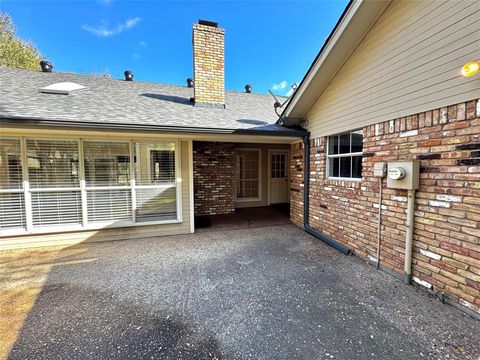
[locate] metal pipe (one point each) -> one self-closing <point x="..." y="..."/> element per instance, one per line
<point x="306" y="203"/>
<point x="407" y="275"/>
<point x="379" y="227"/>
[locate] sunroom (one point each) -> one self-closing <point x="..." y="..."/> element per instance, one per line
<point x="53" y="184"/>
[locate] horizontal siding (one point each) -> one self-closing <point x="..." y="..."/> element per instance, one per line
<point x="121" y="233"/>
<point x="409" y="62"/>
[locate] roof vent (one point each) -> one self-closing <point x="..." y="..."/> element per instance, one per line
<point x="248" y="88"/>
<point x="62" y="88"/>
<point x="128" y="75"/>
<point x="190" y="82"/>
<point x="46" y="66"/>
<point x="208" y="23"/>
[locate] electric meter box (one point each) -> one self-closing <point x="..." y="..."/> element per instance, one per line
<point x="403" y="174"/>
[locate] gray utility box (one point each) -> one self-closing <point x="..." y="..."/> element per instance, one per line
<point x="403" y="174"/>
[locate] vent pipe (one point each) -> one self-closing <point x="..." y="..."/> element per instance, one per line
<point x="248" y="88"/>
<point x="46" y="66"/>
<point x="128" y="75"/>
<point x="190" y="82"/>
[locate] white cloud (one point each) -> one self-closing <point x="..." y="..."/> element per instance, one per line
<point x="137" y="56"/>
<point x="289" y="92"/>
<point x="280" y="86"/>
<point x="104" y="30"/>
<point x="143" y="43"/>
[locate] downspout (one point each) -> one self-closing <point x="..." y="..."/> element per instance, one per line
<point x="306" y="202"/>
<point x="407" y="276"/>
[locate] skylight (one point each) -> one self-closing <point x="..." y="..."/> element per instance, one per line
<point x="63" y="88"/>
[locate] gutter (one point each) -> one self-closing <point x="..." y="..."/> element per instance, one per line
<point x="306" y="203"/>
<point x="18" y="120"/>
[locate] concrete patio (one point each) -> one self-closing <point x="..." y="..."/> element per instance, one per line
<point x="259" y="293"/>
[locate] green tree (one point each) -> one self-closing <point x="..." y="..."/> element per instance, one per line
<point x="14" y="52"/>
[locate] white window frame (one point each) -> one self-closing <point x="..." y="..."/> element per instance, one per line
<point x="82" y="188"/>
<point x="259" y="197"/>
<point x="332" y="156"/>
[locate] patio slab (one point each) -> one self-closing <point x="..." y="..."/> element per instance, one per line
<point x="259" y="293"/>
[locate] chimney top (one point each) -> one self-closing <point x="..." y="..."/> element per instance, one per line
<point x="208" y="23"/>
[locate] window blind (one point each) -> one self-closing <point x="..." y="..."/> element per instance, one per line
<point x="12" y="202"/>
<point x="56" y="208"/>
<point x="109" y="205"/>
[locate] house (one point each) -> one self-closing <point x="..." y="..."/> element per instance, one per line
<point x="124" y="159"/>
<point x="90" y="159"/>
<point x="387" y="87"/>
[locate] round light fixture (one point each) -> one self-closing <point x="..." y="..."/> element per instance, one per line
<point x="470" y="68"/>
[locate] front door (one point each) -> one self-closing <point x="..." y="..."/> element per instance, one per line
<point x="278" y="177"/>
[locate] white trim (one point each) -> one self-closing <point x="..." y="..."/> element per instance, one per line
<point x="83" y="184"/>
<point x="191" y="193"/>
<point x="133" y="184"/>
<point x="344" y="155"/>
<point x="287" y="171"/>
<point x="178" y="179"/>
<point x="259" y="197"/>
<point x="27" y="197"/>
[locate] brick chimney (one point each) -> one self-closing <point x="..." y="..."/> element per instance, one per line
<point x="208" y="64"/>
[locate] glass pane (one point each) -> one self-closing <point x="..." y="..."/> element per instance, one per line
<point x="12" y="211"/>
<point x="333" y="167"/>
<point x="345" y="143"/>
<point x="345" y="166"/>
<point x="333" y="145"/>
<point x="155" y="163"/>
<point x="10" y="164"/>
<point x="52" y="163"/>
<point x="247" y="174"/>
<point x="156" y="204"/>
<point x="106" y="163"/>
<point x="357" y="167"/>
<point x="357" y="141"/>
<point x="56" y="208"/>
<point x="105" y="205"/>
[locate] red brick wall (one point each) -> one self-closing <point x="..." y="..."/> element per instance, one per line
<point x="213" y="178"/>
<point x="447" y="213"/>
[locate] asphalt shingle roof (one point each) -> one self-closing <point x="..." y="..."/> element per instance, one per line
<point x="114" y="101"/>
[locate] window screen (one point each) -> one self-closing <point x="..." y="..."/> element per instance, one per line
<point x="247" y="173"/>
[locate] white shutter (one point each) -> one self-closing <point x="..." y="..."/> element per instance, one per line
<point x="56" y="208"/>
<point x="106" y="205"/>
<point x="12" y="202"/>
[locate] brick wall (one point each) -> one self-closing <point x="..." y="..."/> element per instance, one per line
<point x="213" y="178"/>
<point x="446" y="248"/>
<point x="208" y="64"/>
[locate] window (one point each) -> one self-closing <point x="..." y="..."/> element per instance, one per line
<point x="53" y="184"/>
<point x="345" y="155"/>
<point x="12" y="202"/>
<point x="247" y="167"/>
<point x="156" y="193"/>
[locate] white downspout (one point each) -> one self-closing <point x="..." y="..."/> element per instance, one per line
<point x="379" y="224"/>
<point x="407" y="276"/>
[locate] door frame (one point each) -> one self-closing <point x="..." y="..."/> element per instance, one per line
<point x="269" y="170"/>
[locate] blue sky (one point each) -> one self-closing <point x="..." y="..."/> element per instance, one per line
<point x="267" y="44"/>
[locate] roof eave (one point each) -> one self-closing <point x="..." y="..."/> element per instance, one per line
<point x="357" y="19"/>
<point x="29" y="121"/>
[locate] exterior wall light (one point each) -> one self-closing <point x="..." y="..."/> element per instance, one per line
<point x="470" y="68"/>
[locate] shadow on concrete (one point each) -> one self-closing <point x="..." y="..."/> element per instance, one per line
<point x="102" y="326"/>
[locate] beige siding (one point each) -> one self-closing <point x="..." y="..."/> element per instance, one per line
<point x="123" y="233"/>
<point x="264" y="172"/>
<point x="409" y="62"/>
